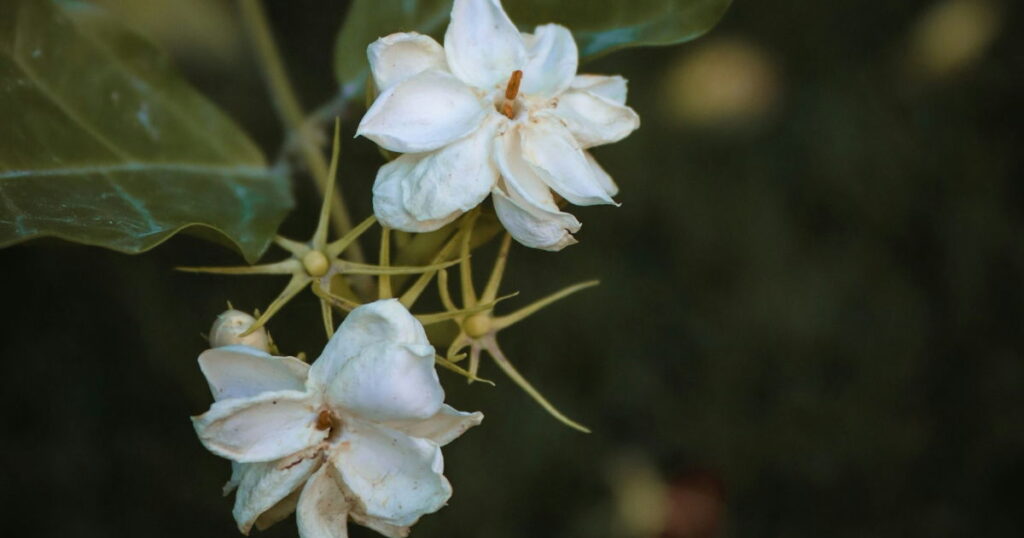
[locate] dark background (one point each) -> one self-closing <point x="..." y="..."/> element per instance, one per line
<point x="810" y="322"/>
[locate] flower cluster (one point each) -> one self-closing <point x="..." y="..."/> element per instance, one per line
<point x="358" y="433"/>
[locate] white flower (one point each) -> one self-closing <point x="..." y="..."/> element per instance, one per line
<point x="356" y="435"/>
<point x="494" y="111"/>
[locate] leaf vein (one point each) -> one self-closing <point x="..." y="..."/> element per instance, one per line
<point x="57" y="100"/>
<point x="243" y="172"/>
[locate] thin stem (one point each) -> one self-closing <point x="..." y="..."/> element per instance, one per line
<point x="337" y="107"/>
<point x="447" y="314"/>
<point x="414" y="291"/>
<point x="517" y="316"/>
<point x="327" y="313"/>
<point x="466" y="268"/>
<point x="352" y="268"/>
<point x="341" y="244"/>
<point x="442" y="290"/>
<point x="287" y="104"/>
<point x="335" y="300"/>
<point x="456" y="346"/>
<point x="320" y="235"/>
<point x="506" y="366"/>
<point x="296" y="248"/>
<point x="285" y="267"/>
<point x="449" y="365"/>
<point x="438" y="317"/>
<point x="491" y="291"/>
<point x="384" y="279"/>
<point x="295" y="285"/>
<point x="474" y="360"/>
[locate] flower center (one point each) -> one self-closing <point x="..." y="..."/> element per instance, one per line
<point x="508" y="106"/>
<point x="478" y="325"/>
<point x="329" y="422"/>
<point x="315" y="263"/>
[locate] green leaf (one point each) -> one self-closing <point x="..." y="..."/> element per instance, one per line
<point x="599" y="26"/>
<point x="104" y="144"/>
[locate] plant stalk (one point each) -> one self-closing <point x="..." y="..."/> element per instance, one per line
<point x="254" y="20"/>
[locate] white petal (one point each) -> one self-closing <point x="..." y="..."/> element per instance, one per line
<point x="389" y="207"/>
<point x="442" y="428"/>
<point x="263" y="485"/>
<point x="520" y="178"/>
<point x="236" y="477"/>
<point x="428" y="190"/>
<point x="263" y="428"/>
<point x="611" y="87"/>
<point x="388" y="382"/>
<point x="482" y="45"/>
<point x="606" y="181"/>
<point x="423" y="113"/>
<point x="559" y="161"/>
<point x="525" y="207"/>
<point x="279" y="511"/>
<point x="396" y="57"/>
<point x="243" y="372"/>
<point x="379" y="525"/>
<point x="397" y="478"/>
<point x="322" y="511"/>
<point x="384" y="321"/>
<point x="552" y="61"/>
<point x="532" y="227"/>
<point x="594" y="120"/>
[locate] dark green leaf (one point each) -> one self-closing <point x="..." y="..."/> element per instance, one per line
<point x="599" y="25"/>
<point x="104" y="144"/>
<point x="605" y="25"/>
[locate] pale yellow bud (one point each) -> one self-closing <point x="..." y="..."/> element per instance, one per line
<point x="316" y="263"/>
<point x="478" y="325"/>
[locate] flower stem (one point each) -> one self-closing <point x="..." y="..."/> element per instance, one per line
<point x="491" y="345"/>
<point x="287" y="104"/>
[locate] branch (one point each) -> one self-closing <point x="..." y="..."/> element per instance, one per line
<point x="287" y="104"/>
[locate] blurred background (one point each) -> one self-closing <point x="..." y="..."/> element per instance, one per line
<point x="809" y="324"/>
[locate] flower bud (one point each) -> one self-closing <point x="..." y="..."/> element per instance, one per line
<point x="228" y="328"/>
